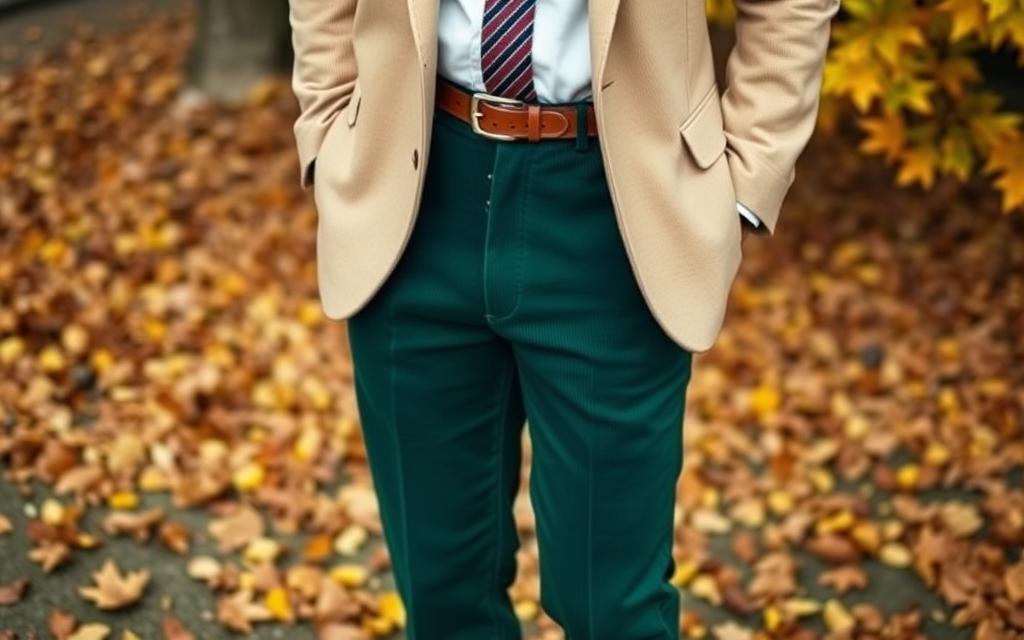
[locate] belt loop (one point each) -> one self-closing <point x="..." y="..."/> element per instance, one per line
<point x="533" y="122"/>
<point x="582" y="143"/>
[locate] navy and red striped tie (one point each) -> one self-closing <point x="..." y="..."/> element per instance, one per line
<point x="506" y="47"/>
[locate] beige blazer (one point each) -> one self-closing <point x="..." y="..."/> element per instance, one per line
<point x="677" y="156"/>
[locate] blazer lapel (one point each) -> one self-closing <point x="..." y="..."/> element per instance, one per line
<point x="602" y="15"/>
<point x="423" y="19"/>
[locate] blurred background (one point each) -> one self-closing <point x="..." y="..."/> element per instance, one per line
<point x="179" y="442"/>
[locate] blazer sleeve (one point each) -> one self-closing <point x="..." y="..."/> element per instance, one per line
<point x="324" y="72"/>
<point x="770" y="102"/>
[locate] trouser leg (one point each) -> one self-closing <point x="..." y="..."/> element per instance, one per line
<point x="440" y="405"/>
<point x="604" y="393"/>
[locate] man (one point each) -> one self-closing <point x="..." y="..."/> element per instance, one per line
<point x="532" y="209"/>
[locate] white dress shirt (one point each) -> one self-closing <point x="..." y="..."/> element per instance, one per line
<point x="561" y="52"/>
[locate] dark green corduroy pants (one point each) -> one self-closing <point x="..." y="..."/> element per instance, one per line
<point x="514" y="300"/>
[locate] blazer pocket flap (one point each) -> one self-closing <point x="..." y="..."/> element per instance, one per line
<point x="352" y="109"/>
<point x="703" y="130"/>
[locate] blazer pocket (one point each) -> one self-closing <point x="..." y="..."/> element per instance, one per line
<point x="703" y="132"/>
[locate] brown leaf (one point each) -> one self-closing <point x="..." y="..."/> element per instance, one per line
<point x="5" y="525"/>
<point x="137" y="523"/>
<point x="112" y="590"/>
<point x="13" y="592"/>
<point x="1014" y="580"/>
<point x="844" y="578"/>
<point x="61" y="624"/>
<point x="93" y="631"/>
<point x="335" y="603"/>
<point x="79" y="480"/>
<point x="237" y="530"/>
<point x="732" y="631"/>
<point x="174" y="535"/>
<point x="173" y="629"/>
<point x="50" y="555"/>
<point x="238" y="611"/>
<point x="744" y="545"/>
<point x="834" y="548"/>
<point x="339" y="631"/>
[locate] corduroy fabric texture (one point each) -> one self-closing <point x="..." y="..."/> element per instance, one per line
<point x="514" y="300"/>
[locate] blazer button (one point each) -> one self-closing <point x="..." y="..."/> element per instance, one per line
<point x="415" y="158"/>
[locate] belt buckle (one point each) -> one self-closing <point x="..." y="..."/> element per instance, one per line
<point x="475" y="115"/>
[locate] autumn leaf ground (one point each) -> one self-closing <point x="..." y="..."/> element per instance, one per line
<point x="161" y="346"/>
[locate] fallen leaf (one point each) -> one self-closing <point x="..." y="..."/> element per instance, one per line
<point x="174" y="629"/>
<point x="732" y="631"/>
<point x="837" y="618"/>
<point x="138" y="524"/>
<point x="844" y="578"/>
<point x="13" y="592"/>
<point x="338" y="631"/>
<point x="50" y="555"/>
<point x="175" y="536"/>
<point x="92" y="631"/>
<point x="237" y="530"/>
<point x="1014" y="580"/>
<point x="61" y="624"/>
<point x="112" y="590"/>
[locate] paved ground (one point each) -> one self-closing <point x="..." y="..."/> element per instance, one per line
<point x="40" y="26"/>
<point x="31" y="26"/>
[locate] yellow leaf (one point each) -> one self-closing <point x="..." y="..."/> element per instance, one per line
<point x="967" y="16"/>
<point x="391" y="608"/>
<point x="349" y="575"/>
<point x="1007" y="158"/>
<point x="885" y="135"/>
<point x="840" y="521"/>
<point x="74" y="338"/>
<point x="936" y="454"/>
<point x="11" y="349"/>
<point x="954" y="73"/>
<point x="998" y="8"/>
<point x="262" y="551"/>
<point x="685" y="571"/>
<point x="780" y="502"/>
<point x="526" y="610"/>
<point x="51" y="359"/>
<point x="918" y="166"/>
<point x="907" y="476"/>
<point x="704" y="586"/>
<point x="1010" y="29"/>
<point x="895" y="555"/>
<point x="892" y="38"/>
<point x="957" y="154"/>
<point x="249" y="477"/>
<point x="857" y="79"/>
<point x="867" y="536"/>
<point x="123" y="500"/>
<point x="279" y="604"/>
<point x="765" y="400"/>
<point x="52" y="512"/>
<point x="802" y="607"/>
<point x="837" y="618"/>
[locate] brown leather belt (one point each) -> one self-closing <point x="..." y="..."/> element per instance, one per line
<point x="501" y="118"/>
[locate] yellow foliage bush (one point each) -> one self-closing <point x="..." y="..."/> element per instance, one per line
<point x="907" y="72"/>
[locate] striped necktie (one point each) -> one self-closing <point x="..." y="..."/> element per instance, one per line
<point x="506" y="44"/>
